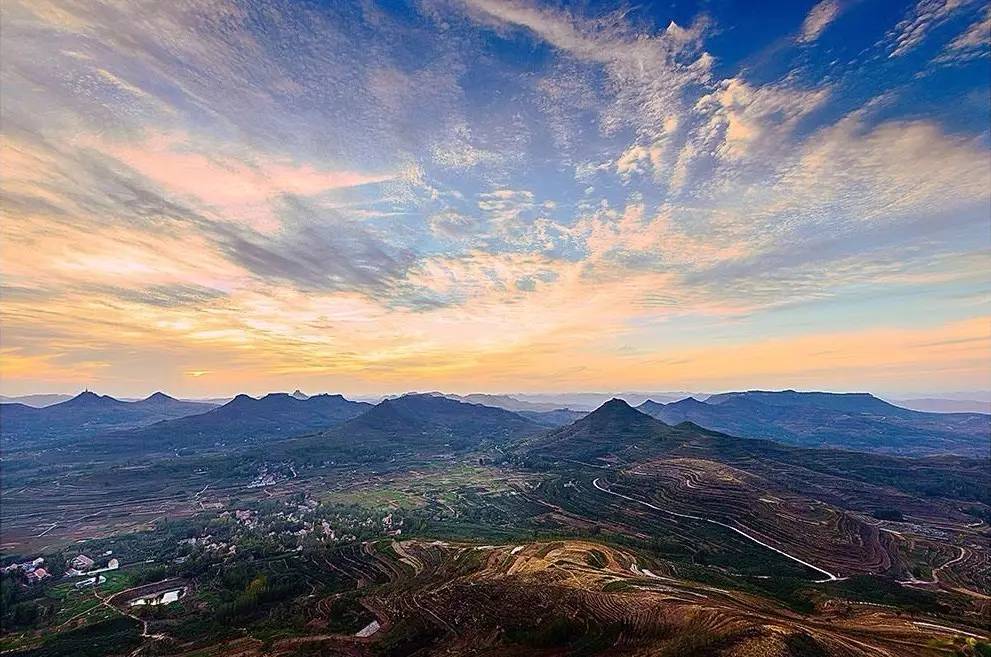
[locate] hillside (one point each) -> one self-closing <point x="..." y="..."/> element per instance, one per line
<point x="607" y="536"/>
<point x="555" y="418"/>
<point x="857" y="421"/>
<point x="414" y="424"/>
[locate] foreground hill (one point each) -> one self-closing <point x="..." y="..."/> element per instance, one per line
<point x="857" y="421"/>
<point x="87" y="414"/>
<point x="817" y="508"/>
<point x="414" y="424"/>
<point x="245" y="418"/>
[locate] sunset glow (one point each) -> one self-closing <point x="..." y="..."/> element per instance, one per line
<point x="493" y="196"/>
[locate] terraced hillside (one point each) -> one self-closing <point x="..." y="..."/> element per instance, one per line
<point x="433" y="597"/>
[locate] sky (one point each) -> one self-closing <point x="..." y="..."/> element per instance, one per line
<point x="494" y="195"/>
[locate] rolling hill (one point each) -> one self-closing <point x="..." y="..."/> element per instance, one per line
<point x="857" y="421"/>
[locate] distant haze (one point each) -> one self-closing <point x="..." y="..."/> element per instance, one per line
<point x="978" y="401"/>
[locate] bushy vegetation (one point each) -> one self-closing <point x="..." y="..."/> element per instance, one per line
<point x="889" y="514"/>
<point x="110" y="637"/>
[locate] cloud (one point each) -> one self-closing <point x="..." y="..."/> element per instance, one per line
<point x="639" y="159"/>
<point x="570" y="99"/>
<point x="922" y="19"/>
<point x="972" y="43"/>
<point x="847" y="195"/>
<point x="236" y="189"/>
<point x="322" y="252"/>
<point x="818" y="19"/>
<point x="459" y="152"/>
<point x="648" y="74"/>
<point x="742" y="118"/>
<point x="453" y="225"/>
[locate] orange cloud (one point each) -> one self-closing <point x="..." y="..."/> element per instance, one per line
<point x="236" y="189"/>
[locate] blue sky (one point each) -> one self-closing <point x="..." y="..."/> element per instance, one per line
<point x="477" y="195"/>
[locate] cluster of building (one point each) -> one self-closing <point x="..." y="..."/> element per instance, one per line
<point x="208" y="544"/>
<point x="33" y="571"/>
<point x="296" y="523"/>
<point x="83" y="565"/>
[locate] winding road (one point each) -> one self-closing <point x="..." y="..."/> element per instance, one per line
<point x="935" y="572"/>
<point x="830" y="577"/>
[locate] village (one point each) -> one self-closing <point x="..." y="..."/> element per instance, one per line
<point x="34" y="571"/>
<point x="287" y="525"/>
<point x="185" y="567"/>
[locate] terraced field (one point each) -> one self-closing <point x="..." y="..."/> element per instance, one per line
<point x="453" y="598"/>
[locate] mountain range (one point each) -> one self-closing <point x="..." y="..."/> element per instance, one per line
<point x="857" y="421"/>
<point x="89" y="413"/>
<point x="247" y="419"/>
<point x="854" y="421"/>
<point x="943" y="405"/>
<point x="618" y="437"/>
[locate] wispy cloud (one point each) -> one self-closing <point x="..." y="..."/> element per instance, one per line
<point x="818" y="19"/>
<point x="972" y="43"/>
<point x="921" y="19"/>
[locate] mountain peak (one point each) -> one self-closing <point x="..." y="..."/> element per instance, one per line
<point x="613" y="427"/>
<point x="88" y="398"/>
<point x="650" y="407"/>
<point x="299" y="394"/>
<point x="158" y="397"/>
<point x="615" y="415"/>
<point x="615" y="407"/>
